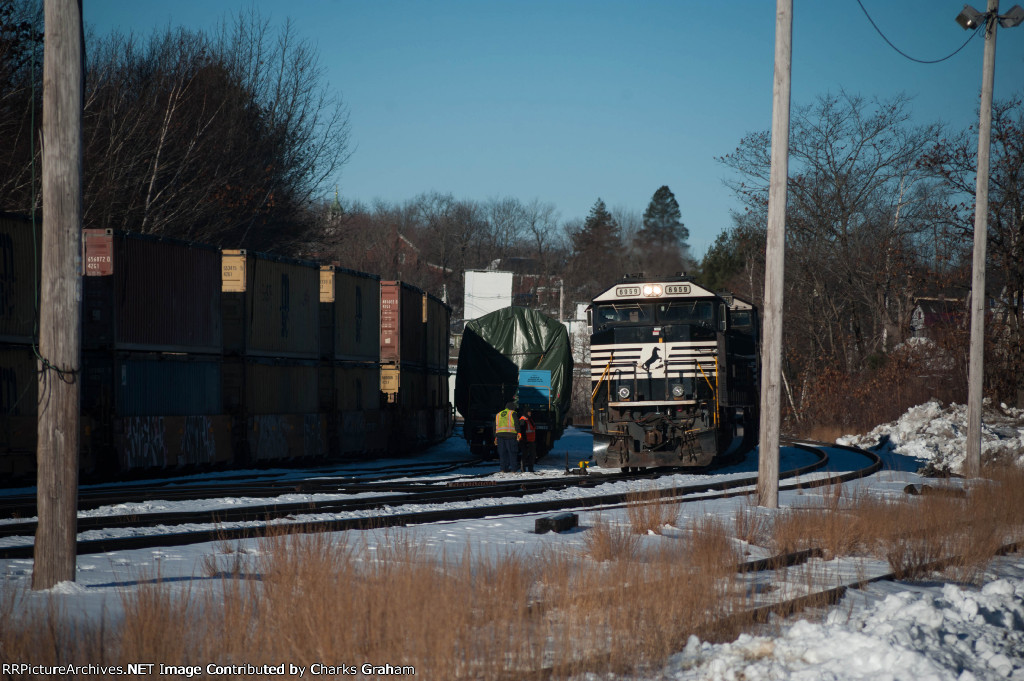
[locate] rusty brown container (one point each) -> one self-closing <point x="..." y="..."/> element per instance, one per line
<point x="19" y="283"/>
<point x="390" y="321"/>
<point x="349" y="315"/>
<point x="270" y="305"/>
<point x="150" y="293"/>
<point x="403" y="321"/>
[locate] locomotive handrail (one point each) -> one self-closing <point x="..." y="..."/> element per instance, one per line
<point x="607" y="368"/>
<point x="714" y="388"/>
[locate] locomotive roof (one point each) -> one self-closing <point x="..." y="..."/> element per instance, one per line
<point x="631" y="288"/>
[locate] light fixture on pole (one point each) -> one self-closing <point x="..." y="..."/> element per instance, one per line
<point x="1012" y="18"/>
<point x="970" y="18"/>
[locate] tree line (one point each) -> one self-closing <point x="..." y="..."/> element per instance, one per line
<point x="223" y="136"/>
<point x="432" y="239"/>
<point x="880" y="217"/>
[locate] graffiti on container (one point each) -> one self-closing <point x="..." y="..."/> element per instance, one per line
<point x="270" y="436"/>
<point x="197" y="442"/>
<point x="144" y="442"/>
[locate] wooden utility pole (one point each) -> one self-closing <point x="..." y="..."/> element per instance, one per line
<point x="61" y="295"/>
<point x="771" y="365"/>
<point x="976" y="366"/>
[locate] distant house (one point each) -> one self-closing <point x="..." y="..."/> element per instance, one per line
<point x="942" y="310"/>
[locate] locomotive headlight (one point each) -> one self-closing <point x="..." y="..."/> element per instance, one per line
<point x="624" y="392"/>
<point x="677" y="390"/>
<point x="652" y="290"/>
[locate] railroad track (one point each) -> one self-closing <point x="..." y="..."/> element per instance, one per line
<point x="317" y="481"/>
<point x="385" y="511"/>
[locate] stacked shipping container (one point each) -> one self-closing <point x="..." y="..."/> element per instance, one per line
<point x="151" y="353"/>
<point x="414" y="364"/>
<point x="196" y="357"/>
<point x="271" y="317"/>
<point x="350" y="381"/>
<point x="19" y="382"/>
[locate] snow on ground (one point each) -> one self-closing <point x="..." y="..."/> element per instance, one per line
<point x="937" y="435"/>
<point x="888" y="630"/>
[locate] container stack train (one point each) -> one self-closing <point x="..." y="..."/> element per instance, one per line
<point x="674" y="374"/>
<point x="195" y="357"/>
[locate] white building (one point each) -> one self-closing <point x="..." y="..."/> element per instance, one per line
<point x="486" y="291"/>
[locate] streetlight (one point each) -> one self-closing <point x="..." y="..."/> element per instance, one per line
<point x="1012" y="18"/>
<point x="970" y="18"/>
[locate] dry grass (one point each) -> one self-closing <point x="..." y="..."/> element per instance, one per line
<point x="617" y="607"/>
<point x="649" y="511"/>
<point x="825" y="432"/>
<point x="607" y="541"/>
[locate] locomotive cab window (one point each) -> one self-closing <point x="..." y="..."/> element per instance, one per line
<point x="686" y="312"/>
<point x="624" y="313"/>
<point x="741" y="320"/>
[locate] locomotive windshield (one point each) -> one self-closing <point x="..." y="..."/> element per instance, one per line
<point x="741" y="320"/>
<point x="696" y="312"/>
<point x="670" y="320"/>
<point x="625" y="313"/>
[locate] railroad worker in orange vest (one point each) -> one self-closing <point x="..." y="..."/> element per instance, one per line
<point x="527" y="441"/>
<point x="505" y="437"/>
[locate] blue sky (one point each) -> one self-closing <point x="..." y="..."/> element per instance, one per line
<point x="570" y="100"/>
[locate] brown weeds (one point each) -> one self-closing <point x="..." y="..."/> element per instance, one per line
<point x="335" y="599"/>
<point x="650" y="511"/>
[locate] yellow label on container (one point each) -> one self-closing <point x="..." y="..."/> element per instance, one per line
<point x="232" y="271"/>
<point x="326" y="284"/>
<point x="389" y="380"/>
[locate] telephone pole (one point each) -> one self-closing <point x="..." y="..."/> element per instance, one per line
<point x="61" y="295"/>
<point x="976" y="365"/>
<point x="771" y="367"/>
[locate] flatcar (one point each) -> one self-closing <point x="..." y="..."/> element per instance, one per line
<point x="513" y="354"/>
<point x="674" y="373"/>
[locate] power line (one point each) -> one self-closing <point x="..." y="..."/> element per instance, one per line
<point x="919" y="61"/>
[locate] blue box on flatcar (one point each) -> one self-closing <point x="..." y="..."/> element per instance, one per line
<point x="534" y="386"/>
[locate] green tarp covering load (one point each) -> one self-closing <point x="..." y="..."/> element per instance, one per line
<point x="496" y="346"/>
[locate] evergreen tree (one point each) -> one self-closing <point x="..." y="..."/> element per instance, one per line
<point x="660" y="246"/>
<point x="597" y="252"/>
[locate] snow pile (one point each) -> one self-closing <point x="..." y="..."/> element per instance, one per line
<point x="937" y="435"/>
<point x="956" y="634"/>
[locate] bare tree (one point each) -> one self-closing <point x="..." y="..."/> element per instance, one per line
<point x="225" y="137"/>
<point x="954" y="160"/>
<point x="506" y="221"/>
<point x="541" y="221"/>
<point x="21" y="92"/>
<point x="858" y="208"/>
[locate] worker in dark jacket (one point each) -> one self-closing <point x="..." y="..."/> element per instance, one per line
<point x="505" y="437"/>
<point x="527" y="441"/>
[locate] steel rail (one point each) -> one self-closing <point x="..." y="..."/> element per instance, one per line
<point x="720" y="489"/>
